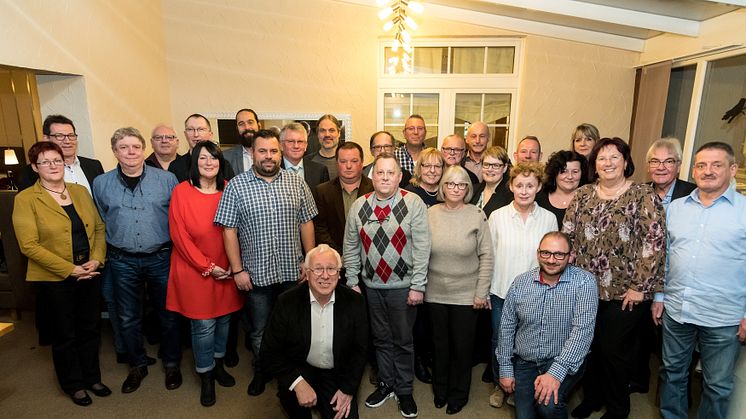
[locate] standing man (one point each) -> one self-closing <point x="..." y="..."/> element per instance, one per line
<point x="266" y="214"/>
<point x="704" y="300"/>
<point x="328" y="129"/>
<point x="387" y="241"/>
<point x="196" y="128"/>
<point x="61" y="130"/>
<point x="664" y="163"/>
<point x="546" y="330"/>
<point x="165" y="145"/>
<point x="477" y="139"/>
<point x="133" y="200"/>
<point x="384" y="142"/>
<point x="452" y="149"/>
<point x="316" y="341"/>
<point x="415" y="132"/>
<point x="294" y="141"/>
<point x="240" y="157"/>
<point x="334" y="198"/>
<point x="528" y="150"/>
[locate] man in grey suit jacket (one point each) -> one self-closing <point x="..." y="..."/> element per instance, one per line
<point x="247" y="124"/>
<point x="293" y="141"/>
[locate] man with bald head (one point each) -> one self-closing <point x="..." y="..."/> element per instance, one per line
<point x="528" y="150"/>
<point x="477" y="140"/>
<point x="196" y="128"/>
<point x="165" y="145"/>
<point x="452" y="149"/>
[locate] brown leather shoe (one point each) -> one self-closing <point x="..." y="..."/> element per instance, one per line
<point x="134" y="378"/>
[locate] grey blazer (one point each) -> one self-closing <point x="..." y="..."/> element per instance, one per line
<point x="234" y="156"/>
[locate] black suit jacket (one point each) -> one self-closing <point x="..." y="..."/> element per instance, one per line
<point x="681" y="189"/>
<point x="180" y="167"/>
<point x="405" y="175"/>
<point x="313" y="173"/>
<point x="329" y="224"/>
<point x="500" y="198"/>
<point x="287" y="338"/>
<point x="91" y="168"/>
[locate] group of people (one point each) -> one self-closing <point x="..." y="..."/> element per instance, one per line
<point x="570" y="263"/>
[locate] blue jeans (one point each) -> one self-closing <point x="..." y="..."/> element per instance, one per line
<point x="497" y="313"/>
<point x="130" y="273"/>
<point x="719" y="348"/>
<point x="209" y="338"/>
<point x="107" y="291"/>
<point x="259" y="303"/>
<point x="526" y="407"/>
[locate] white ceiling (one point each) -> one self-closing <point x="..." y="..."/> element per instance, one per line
<point x="624" y="24"/>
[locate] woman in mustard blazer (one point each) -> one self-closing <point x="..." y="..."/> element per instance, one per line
<point x="60" y="231"/>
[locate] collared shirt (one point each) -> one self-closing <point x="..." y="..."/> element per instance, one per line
<point x="404" y="158"/>
<point x="320" y="354"/>
<point x="474" y="166"/>
<point x="296" y="169"/>
<point x="669" y="194"/>
<point x="268" y="216"/>
<point x="706" y="275"/>
<point x="348" y="198"/>
<point x="515" y="243"/>
<point x="248" y="159"/>
<point x="136" y="220"/>
<point x="152" y="161"/>
<point x="548" y="323"/>
<point x="74" y="174"/>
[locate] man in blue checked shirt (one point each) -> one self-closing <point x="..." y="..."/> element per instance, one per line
<point x="546" y="330"/>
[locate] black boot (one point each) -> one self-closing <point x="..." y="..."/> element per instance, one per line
<point x="207" y="394"/>
<point x="421" y="371"/>
<point x="221" y="375"/>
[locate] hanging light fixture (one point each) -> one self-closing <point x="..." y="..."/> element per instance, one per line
<point x="395" y="15"/>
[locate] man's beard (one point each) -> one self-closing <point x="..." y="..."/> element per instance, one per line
<point x="247" y="138"/>
<point x="264" y="172"/>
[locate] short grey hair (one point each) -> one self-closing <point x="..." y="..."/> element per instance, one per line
<point x="458" y="174"/>
<point x="126" y="132"/>
<point x="293" y="126"/>
<point x="320" y="249"/>
<point x="673" y="145"/>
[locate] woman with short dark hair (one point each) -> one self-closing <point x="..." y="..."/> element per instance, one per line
<point x="563" y="174"/>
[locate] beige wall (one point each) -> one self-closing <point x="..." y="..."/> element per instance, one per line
<point x="322" y="56"/>
<point x="118" y="48"/>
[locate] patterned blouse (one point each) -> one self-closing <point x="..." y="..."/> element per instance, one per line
<point x="621" y="241"/>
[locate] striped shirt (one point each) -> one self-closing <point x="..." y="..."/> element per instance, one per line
<point x="543" y="323"/>
<point x="268" y="216"/>
<point x="515" y="243"/>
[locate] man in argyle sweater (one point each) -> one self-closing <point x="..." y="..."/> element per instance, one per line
<point x="387" y="243"/>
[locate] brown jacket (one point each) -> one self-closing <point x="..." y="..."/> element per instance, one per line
<point x="329" y="224"/>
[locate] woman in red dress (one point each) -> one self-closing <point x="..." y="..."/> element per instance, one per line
<point x="199" y="284"/>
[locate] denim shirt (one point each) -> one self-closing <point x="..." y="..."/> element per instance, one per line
<point x="136" y="220"/>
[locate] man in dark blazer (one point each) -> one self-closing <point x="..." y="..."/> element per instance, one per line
<point x="196" y="128"/>
<point x="240" y="156"/>
<point x="664" y="162"/>
<point x="329" y="224"/>
<point x="293" y="141"/>
<point x="316" y="341"/>
<point x="60" y="130"/>
<point x="384" y="141"/>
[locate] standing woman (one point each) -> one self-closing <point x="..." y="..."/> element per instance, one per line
<point x="493" y="192"/>
<point x="516" y="231"/>
<point x="199" y="286"/>
<point x="427" y="174"/>
<point x="562" y="176"/>
<point x="60" y="231"/>
<point x="459" y="276"/>
<point x="584" y="138"/>
<point x="618" y="233"/>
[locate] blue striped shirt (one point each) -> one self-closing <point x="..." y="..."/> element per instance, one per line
<point x="543" y="323"/>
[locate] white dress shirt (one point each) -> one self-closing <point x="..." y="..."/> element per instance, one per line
<point x="321" y="352"/>
<point x="74" y="174"/>
<point x="248" y="161"/>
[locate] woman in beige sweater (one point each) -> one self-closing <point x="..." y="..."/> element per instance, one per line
<point x="459" y="274"/>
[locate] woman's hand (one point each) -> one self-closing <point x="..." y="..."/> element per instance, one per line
<point x="480" y="303"/>
<point x="631" y="298"/>
<point x="220" y="273"/>
<point x="86" y="270"/>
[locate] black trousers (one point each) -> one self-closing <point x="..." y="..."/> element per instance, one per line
<point x="454" y="328"/>
<point x="74" y="319"/>
<point x="324" y="384"/>
<point x="614" y="358"/>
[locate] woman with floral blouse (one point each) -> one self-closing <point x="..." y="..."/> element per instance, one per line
<point x="618" y="232"/>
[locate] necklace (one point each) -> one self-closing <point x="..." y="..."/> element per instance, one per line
<point x="430" y="193"/>
<point x="61" y="194"/>
<point x="616" y="191"/>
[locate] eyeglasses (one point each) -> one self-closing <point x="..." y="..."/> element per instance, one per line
<point x="48" y="163"/>
<point x="163" y="138"/>
<point x="426" y="166"/>
<point x="382" y="147"/>
<point x="668" y="163"/>
<point x="452" y="150"/>
<point x="62" y="137"/>
<point x="200" y="130"/>
<point x="497" y="166"/>
<point x="545" y="254"/>
<point x="454" y="185"/>
<point x="295" y="142"/>
<point x="330" y="270"/>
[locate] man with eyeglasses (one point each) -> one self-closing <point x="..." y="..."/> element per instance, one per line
<point x="196" y="128"/>
<point x="294" y="141"/>
<point x="328" y="131"/>
<point x="703" y="302"/>
<point x="315" y="343"/>
<point x="384" y="142"/>
<point x="477" y="139"/>
<point x="452" y="149"/>
<point x="133" y="200"/>
<point x="240" y="156"/>
<point x="546" y="330"/>
<point x="387" y="243"/>
<point x="415" y="132"/>
<point x="81" y="170"/>
<point x="165" y="145"/>
<point x="664" y="163"/>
